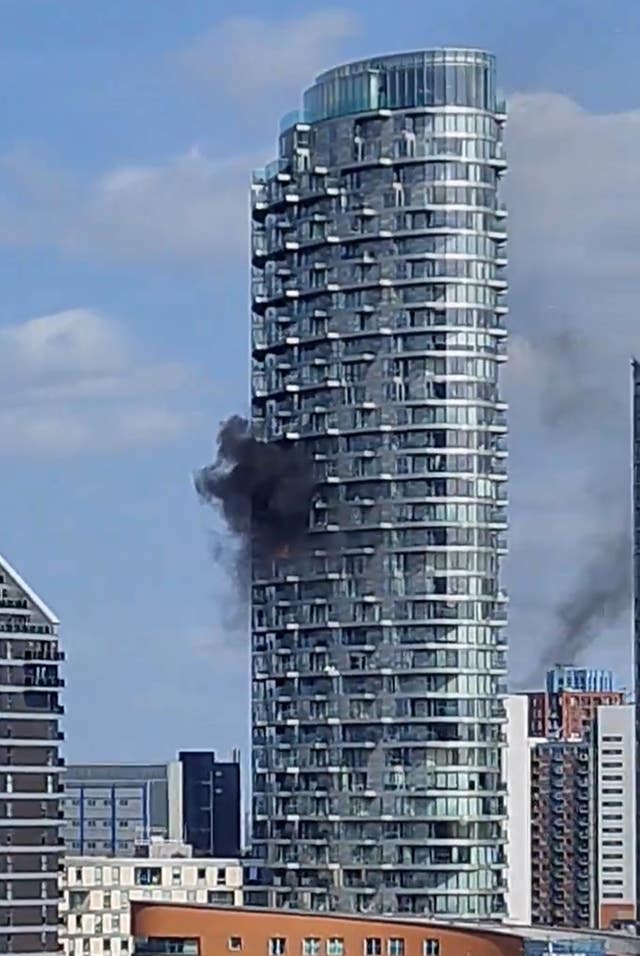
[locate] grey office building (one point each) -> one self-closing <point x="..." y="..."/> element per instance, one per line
<point x="378" y="248"/>
<point x="30" y="769"/>
<point x="111" y="808"/>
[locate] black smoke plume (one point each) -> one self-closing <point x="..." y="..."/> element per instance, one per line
<point x="600" y="596"/>
<point x="580" y="403"/>
<point x="265" y="490"/>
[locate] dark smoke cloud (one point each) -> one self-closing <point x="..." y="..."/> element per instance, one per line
<point x="578" y="403"/>
<point x="600" y="596"/>
<point x="265" y="490"/>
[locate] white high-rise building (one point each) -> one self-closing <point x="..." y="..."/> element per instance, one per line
<point x="517" y="775"/>
<point x="616" y="822"/>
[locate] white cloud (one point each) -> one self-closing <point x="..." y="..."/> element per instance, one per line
<point x="188" y="210"/>
<point x="574" y="197"/>
<point x="250" y="59"/>
<point x="574" y="186"/>
<point x="75" y="380"/>
<point x="191" y="208"/>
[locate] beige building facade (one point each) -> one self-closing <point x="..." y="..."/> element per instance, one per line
<point x="97" y="893"/>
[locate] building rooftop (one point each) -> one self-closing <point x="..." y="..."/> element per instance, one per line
<point x="619" y="943"/>
<point x="451" y="76"/>
<point x="28" y="591"/>
<point x="412" y="58"/>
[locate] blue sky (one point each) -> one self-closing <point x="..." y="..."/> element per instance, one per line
<point x="128" y="133"/>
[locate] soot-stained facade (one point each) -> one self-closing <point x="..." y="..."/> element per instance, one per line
<point x="378" y="334"/>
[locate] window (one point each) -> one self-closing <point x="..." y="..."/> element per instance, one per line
<point x="395" y="947"/>
<point x="335" y="947"/>
<point x="221" y="876"/>
<point x="77" y="899"/>
<point x="431" y="947"/>
<point x="235" y="943"/>
<point x="220" y="897"/>
<point x="311" y="946"/>
<point x="148" y="876"/>
<point x="202" y="873"/>
<point x="158" y="944"/>
<point x="277" y="946"/>
<point x="373" y="946"/>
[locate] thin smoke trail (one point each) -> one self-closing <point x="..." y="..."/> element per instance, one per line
<point x="576" y="401"/>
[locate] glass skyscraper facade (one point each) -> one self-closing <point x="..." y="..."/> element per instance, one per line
<point x="378" y="249"/>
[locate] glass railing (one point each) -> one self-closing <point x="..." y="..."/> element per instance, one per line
<point x="290" y="119"/>
<point x="276" y="166"/>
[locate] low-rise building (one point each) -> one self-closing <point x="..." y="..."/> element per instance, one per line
<point x="190" y="930"/>
<point x="97" y="892"/>
<point x="109" y="808"/>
